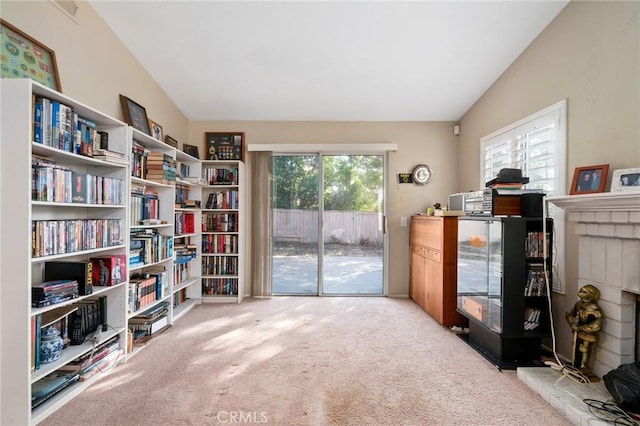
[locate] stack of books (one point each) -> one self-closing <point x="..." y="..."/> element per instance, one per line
<point x="52" y="292"/>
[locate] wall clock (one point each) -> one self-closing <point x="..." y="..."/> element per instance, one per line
<point x="421" y="174"/>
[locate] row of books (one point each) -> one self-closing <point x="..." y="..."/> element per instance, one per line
<point x="50" y="237"/>
<point x="223" y="200"/>
<point x="148" y="246"/>
<point x="182" y="195"/>
<point x="220" y="286"/>
<point x="185" y="223"/>
<point x="183" y="169"/>
<point x="220" y="244"/>
<point x="181" y="272"/>
<point x="536" y="283"/>
<point x="59" y="126"/>
<point x="220" y="265"/>
<point x="216" y="176"/>
<point x="55" y="183"/>
<point x="180" y="297"/>
<point x="139" y="160"/>
<point x="145" y="204"/>
<point x="220" y="222"/>
<point x="145" y="289"/>
<point x="534" y="244"/>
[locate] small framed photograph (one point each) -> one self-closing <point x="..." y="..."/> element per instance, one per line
<point x="24" y="56"/>
<point x="224" y="145"/>
<point x="156" y="130"/>
<point x="626" y="180"/>
<point x="170" y="141"/>
<point x="135" y="115"/>
<point x="589" y="179"/>
<point x="192" y="150"/>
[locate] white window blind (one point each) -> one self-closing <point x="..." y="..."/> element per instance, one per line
<point x="537" y="145"/>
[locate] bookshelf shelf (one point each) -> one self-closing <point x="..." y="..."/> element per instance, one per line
<point x="184" y="307"/>
<point x="77" y="205"/>
<point x="69" y="354"/>
<point x="76" y="253"/>
<point x="97" y="291"/>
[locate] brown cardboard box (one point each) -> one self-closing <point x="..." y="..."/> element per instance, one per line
<point x="473" y="307"/>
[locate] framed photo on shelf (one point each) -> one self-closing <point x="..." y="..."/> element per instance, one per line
<point x="156" y="130"/>
<point x="27" y="57"/>
<point x="589" y="179"/>
<point x="135" y="115"/>
<point x="192" y="150"/>
<point x="170" y="141"/>
<point x="626" y="180"/>
<point x="224" y="145"/>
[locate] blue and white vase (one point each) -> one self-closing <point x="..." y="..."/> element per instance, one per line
<point x="50" y="345"/>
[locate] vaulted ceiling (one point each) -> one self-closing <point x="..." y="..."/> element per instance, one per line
<point x="326" y="60"/>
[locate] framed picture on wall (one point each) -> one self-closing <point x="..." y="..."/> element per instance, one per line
<point x="25" y="57"/>
<point x="224" y="145"/>
<point x="589" y="179"/>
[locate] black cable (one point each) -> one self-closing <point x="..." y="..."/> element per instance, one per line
<point x="609" y="413"/>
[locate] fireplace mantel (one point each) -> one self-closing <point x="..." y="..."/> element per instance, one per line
<point x="603" y="201"/>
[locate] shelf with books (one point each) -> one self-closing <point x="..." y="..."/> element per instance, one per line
<point x="223" y="231"/>
<point x="67" y="205"/>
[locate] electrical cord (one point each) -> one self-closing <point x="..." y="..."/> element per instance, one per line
<point x="609" y="413"/>
<point x="566" y="370"/>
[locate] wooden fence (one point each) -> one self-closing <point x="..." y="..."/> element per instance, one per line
<point x="343" y="227"/>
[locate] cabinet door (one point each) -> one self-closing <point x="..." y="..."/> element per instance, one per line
<point x="433" y="289"/>
<point x="418" y="280"/>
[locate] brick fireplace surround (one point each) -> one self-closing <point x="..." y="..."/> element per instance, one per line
<point x="608" y="225"/>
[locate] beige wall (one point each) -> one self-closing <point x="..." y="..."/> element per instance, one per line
<point x="589" y="55"/>
<point x="94" y="66"/>
<point x="431" y="143"/>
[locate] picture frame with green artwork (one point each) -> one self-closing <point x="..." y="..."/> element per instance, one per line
<point x="25" y="57"/>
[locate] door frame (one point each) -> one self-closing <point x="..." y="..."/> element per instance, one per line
<point x="346" y="149"/>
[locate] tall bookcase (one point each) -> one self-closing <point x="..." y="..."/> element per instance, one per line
<point x="150" y="236"/>
<point x="188" y="236"/>
<point x="223" y="231"/>
<point x="37" y="232"/>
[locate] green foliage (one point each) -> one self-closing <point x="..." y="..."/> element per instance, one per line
<point x="352" y="182"/>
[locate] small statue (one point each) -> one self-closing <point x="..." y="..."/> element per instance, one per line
<point x="585" y="320"/>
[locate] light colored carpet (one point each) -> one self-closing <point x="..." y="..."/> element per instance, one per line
<point x="308" y="361"/>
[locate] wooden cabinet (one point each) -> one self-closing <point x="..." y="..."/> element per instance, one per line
<point x="433" y="278"/>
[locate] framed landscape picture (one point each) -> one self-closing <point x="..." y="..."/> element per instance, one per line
<point x="135" y="115"/>
<point x="24" y="56"/>
<point x="224" y="145"/>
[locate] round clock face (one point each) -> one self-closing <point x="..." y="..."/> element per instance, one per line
<point x="421" y="174"/>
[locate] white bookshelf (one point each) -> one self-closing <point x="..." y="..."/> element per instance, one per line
<point x="16" y="247"/>
<point x="186" y="289"/>
<point x="214" y="278"/>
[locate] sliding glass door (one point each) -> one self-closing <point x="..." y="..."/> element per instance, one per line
<point x="328" y="224"/>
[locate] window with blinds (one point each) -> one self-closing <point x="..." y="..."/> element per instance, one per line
<point x="537" y="145"/>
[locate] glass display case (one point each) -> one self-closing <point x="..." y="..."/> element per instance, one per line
<point x="502" y="286"/>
